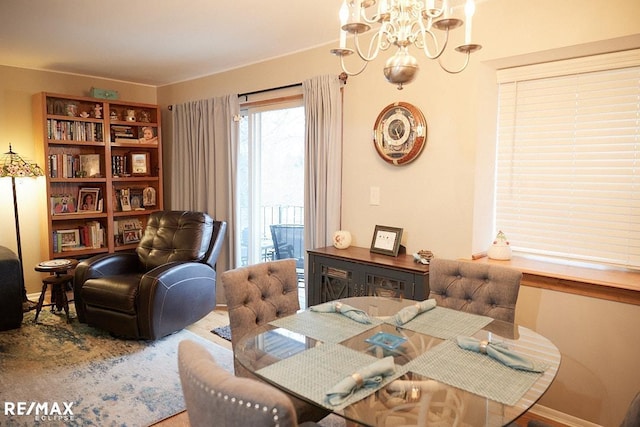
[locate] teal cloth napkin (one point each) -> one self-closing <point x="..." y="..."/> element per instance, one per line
<point x="501" y="353"/>
<point x="408" y="313"/>
<point x="369" y="376"/>
<point x="344" y="309"/>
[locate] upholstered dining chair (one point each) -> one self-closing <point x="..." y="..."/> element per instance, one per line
<point x="485" y="289"/>
<point x="257" y="294"/>
<point x="214" y="396"/>
<point x="168" y="283"/>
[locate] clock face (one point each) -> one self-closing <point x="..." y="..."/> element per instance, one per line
<point x="399" y="133"/>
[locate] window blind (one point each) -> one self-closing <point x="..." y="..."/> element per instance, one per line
<point x="568" y="159"/>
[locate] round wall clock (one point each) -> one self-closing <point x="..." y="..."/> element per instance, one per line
<point x="399" y="133"/>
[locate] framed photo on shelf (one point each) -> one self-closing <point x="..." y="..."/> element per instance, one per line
<point x="90" y="165"/>
<point x="139" y="164"/>
<point x="69" y="238"/>
<point x="125" y="201"/>
<point x="135" y="198"/>
<point x="148" y="135"/>
<point x="88" y="199"/>
<point x="131" y="236"/>
<point x="386" y="240"/>
<point x="130" y="230"/>
<point x="63" y="204"/>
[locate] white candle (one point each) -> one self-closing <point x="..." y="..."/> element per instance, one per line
<point x="354" y="15"/>
<point x="469" y="10"/>
<point x="430" y="4"/>
<point x="343" y="15"/>
<point x="382" y="7"/>
<point x="445" y="9"/>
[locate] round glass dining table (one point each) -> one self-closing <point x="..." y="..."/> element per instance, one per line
<point x="412" y="399"/>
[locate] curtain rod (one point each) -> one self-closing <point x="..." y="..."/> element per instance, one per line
<point x="255" y="92"/>
<point x="342" y="76"/>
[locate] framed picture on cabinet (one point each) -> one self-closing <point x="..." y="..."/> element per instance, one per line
<point x="386" y="240"/>
<point x="139" y="164"/>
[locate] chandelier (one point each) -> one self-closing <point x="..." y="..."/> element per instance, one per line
<point x="402" y="23"/>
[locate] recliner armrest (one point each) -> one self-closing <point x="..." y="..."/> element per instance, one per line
<point x="173" y="295"/>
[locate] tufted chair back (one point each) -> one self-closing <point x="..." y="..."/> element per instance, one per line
<point x="175" y="236"/>
<point x="257" y="294"/>
<point x="214" y="396"/>
<point x="476" y="288"/>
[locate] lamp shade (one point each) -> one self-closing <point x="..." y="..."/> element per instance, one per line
<point x="14" y="166"/>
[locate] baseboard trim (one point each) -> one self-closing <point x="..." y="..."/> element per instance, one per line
<point x="560" y="417"/>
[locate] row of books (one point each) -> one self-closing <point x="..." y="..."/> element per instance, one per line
<point x="70" y="165"/>
<point x="89" y="236"/>
<point x="119" y="165"/>
<point x="74" y="131"/>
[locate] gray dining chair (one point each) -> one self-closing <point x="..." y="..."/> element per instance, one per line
<point x="478" y="288"/>
<point x="214" y="396"/>
<point x="258" y="294"/>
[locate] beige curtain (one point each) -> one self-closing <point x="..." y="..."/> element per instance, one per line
<point x="205" y="135"/>
<point x="323" y="169"/>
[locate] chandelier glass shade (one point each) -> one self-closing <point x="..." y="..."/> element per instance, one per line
<point x="424" y="24"/>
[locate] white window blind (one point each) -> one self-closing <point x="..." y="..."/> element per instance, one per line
<point x="568" y="159"/>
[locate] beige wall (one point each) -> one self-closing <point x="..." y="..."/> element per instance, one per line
<point x="443" y="199"/>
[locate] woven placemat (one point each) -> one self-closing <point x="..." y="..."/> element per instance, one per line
<point x="327" y="327"/>
<point x="474" y="372"/>
<point x="336" y="362"/>
<point x="446" y="323"/>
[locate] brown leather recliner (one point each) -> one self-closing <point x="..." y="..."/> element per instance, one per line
<point x="168" y="283"/>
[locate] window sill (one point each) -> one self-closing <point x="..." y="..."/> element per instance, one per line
<point x="606" y="283"/>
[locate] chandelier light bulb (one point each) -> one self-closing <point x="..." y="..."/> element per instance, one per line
<point x="424" y="24"/>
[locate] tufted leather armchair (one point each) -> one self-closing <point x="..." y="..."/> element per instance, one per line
<point x="484" y="289"/>
<point x="168" y="283"/>
<point x="258" y="294"/>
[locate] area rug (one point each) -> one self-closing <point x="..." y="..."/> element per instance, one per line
<point x="75" y="375"/>
<point x="223" y="332"/>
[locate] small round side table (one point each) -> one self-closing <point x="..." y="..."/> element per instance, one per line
<point x="58" y="281"/>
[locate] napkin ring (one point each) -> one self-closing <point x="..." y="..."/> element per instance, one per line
<point x="338" y="306"/>
<point x="483" y="346"/>
<point x="358" y="379"/>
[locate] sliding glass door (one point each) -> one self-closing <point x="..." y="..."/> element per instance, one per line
<point x="270" y="181"/>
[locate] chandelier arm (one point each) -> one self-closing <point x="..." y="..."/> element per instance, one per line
<point x="350" y="73"/>
<point x="438" y="51"/>
<point x="370" y="56"/>
<point x="466" y="62"/>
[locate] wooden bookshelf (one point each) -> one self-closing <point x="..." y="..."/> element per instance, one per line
<point x="109" y="153"/>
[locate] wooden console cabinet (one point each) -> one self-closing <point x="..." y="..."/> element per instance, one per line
<point x="341" y="273"/>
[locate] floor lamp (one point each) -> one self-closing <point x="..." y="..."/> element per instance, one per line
<point x="14" y="166"/>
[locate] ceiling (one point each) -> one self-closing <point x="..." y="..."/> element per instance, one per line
<point x="159" y="42"/>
